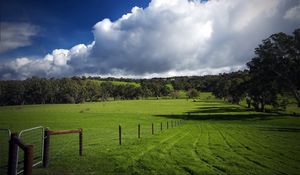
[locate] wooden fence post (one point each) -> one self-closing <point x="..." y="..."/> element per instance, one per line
<point x="28" y="159"/>
<point x="139" y="131"/>
<point x="152" y="129"/>
<point x="120" y="135"/>
<point x="46" y="148"/>
<point x="80" y="141"/>
<point x="12" y="159"/>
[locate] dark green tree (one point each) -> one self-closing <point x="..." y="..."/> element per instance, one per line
<point x="276" y="67"/>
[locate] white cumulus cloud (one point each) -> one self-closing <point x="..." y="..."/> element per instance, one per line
<point x="170" y="37"/>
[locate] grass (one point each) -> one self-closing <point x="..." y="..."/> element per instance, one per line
<point x="119" y="83"/>
<point x="215" y="137"/>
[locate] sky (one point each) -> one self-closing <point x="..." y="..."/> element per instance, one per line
<point x="136" y="38"/>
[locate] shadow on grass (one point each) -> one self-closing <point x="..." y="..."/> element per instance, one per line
<point x="225" y="112"/>
<point x="221" y="116"/>
<point x="281" y="129"/>
<point x="221" y="109"/>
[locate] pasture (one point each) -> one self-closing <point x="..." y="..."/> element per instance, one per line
<point x="214" y="138"/>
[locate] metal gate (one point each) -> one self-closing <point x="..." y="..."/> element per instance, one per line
<point x="33" y="136"/>
<point x="4" y="146"/>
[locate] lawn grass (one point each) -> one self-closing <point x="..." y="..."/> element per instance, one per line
<point x="214" y="138"/>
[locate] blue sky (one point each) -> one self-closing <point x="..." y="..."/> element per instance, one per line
<point x="61" y="23"/>
<point x="136" y="38"/>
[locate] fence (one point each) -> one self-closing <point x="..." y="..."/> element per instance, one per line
<point x="19" y="153"/>
<point x="153" y="131"/>
<point x="14" y="145"/>
<point x="33" y="136"/>
<point x="47" y="136"/>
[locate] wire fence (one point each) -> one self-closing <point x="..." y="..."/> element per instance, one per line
<point x="4" y="144"/>
<point x="66" y="146"/>
<point x="130" y="133"/>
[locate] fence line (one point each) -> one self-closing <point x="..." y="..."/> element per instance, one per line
<point x="173" y="125"/>
<point x="16" y="142"/>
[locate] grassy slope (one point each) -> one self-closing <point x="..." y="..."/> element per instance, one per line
<point x="217" y="138"/>
<point x="118" y="82"/>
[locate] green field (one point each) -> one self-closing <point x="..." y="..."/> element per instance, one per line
<point x="214" y="138"/>
<point x="118" y="83"/>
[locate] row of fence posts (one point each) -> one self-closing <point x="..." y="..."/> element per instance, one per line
<point x="173" y="124"/>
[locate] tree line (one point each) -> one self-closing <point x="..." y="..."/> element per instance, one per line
<point x="37" y="90"/>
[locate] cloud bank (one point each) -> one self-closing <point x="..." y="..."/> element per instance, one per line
<point x="168" y="38"/>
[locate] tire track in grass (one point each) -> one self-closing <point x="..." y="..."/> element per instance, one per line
<point x="200" y="158"/>
<point x="135" y="159"/>
<point x="195" y="143"/>
<point x="250" y="138"/>
<point x="167" y="152"/>
<point x="196" y="155"/>
<point x="188" y="169"/>
<point x="210" y="145"/>
<point x="154" y="147"/>
<point x="171" y="151"/>
<point x="253" y="153"/>
<point x="244" y="157"/>
<point x="278" y="162"/>
<point x="162" y="149"/>
<point x="231" y="149"/>
<point x="194" y="151"/>
<point x="240" y="155"/>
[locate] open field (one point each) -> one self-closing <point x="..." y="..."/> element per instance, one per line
<point x="216" y="138"/>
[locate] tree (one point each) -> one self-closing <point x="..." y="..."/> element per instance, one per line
<point x="231" y="86"/>
<point x="93" y="90"/>
<point x="106" y="90"/>
<point x="276" y="67"/>
<point x="175" y="94"/>
<point x="192" y="93"/>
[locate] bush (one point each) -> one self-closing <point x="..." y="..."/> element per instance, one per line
<point x="69" y="99"/>
<point x="175" y="94"/>
<point x="192" y="93"/>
